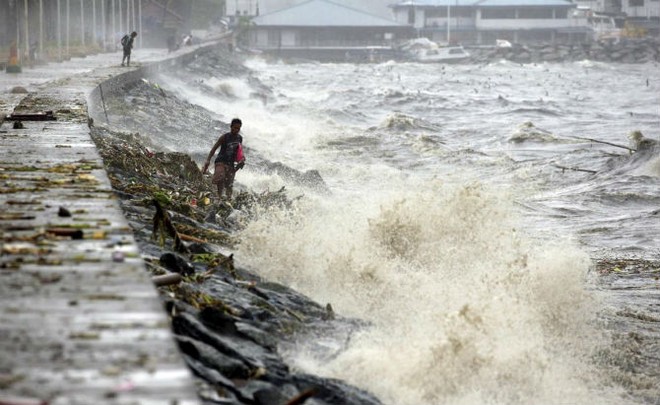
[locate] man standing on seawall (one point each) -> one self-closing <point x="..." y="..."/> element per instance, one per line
<point x="231" y="150"/>
<point x="127" y="44"/>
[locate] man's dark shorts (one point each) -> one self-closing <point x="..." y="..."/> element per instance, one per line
<point x="224" y="174"/>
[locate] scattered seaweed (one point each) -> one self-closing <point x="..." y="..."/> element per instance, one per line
<point x="627" y="266"/>
<point x="200" y="300"/>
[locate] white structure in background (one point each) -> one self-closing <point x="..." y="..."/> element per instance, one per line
<point x="323" y="24"/>
<point x="485" y="21"/>
<point x="632" y="8"/>
<point x="595" y="5"/>
<point x="425" y="50"/>
<point x="643" y="14"/>
<point x="249" y="7"/>
<point x="603" y="25"/>
<point x="649" y="9"/>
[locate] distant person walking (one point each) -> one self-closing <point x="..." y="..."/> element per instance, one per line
<point x="127" y="45"/>
<point x="230" y="158"/>
<point x="33" y="51"/>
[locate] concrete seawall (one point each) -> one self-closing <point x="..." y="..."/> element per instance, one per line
<point x="81" y="322"/>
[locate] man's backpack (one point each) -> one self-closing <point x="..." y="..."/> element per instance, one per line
<point x="124" y="40"/>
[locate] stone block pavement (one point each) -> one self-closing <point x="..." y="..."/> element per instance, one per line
<point x="80" y="320"/>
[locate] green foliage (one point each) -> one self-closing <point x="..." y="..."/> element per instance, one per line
<point x="209" y="259"/>
<point x="199" y="300"/>
<point x="162" y="197"/>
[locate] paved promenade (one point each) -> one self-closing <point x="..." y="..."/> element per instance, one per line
<point x="80" y="320"/>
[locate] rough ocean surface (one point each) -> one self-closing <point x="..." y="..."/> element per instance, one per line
<point x="488" y="233"/>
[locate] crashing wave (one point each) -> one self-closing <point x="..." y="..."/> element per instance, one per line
<point x="646" y="159"/>
<point x="399" y="121"/>
<point x="641" y="143"/>
<point x="529" y="132"/>
<point x="403" y="122"/>
<point x="535" y="110"/>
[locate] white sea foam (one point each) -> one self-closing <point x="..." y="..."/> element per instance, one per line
<point x="464" y="306"/>
<point x="467" y="304"/>
<point x="653" y="167"/>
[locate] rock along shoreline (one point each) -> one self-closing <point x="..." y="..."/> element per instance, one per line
<point x="623" y="51"/>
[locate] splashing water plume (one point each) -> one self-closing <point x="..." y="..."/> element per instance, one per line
<point x="464" y="308"/>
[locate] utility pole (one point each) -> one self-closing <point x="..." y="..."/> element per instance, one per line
<point x="59" y="32"/>
<point x="19" y="59"/>
<point x="103" y="23"/>
<point x="128" y="16"/>
<point x="448" y="23"/>
<point x="457" y="19"/>
<point x="140" y="20"/>
<point x="121" y="29"/>
<point x="41" y="29"/>
<point x="68" y="20"/>
<point x="26" y="30"/>
<point x="93" y="22"/>
<point x="114" y="26"/>
<point x="82" y="23"/>
<point x="133" y="13"/>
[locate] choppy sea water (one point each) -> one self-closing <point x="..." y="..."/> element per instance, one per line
<point x="467" y="204"/>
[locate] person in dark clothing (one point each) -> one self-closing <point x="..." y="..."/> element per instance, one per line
<point x="230" y="159"/>
<point x="127" y="44"/>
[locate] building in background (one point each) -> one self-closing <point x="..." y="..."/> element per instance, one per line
<point x="642" y="17"/>
<point x="323" y="29"/>
<point x="259" y="7"/>
<point x="638" y="13"/>
<point x="641" y="9"/>
<point x="483" y="22"/>
<point x="635" y="18"/>
<point x="600" y="6"/>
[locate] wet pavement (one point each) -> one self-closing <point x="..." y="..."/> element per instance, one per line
<point x="80" y="320"/>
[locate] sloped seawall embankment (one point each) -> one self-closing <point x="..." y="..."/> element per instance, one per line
<point x="229" y="323"/>
<point x="118" y="84"/>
